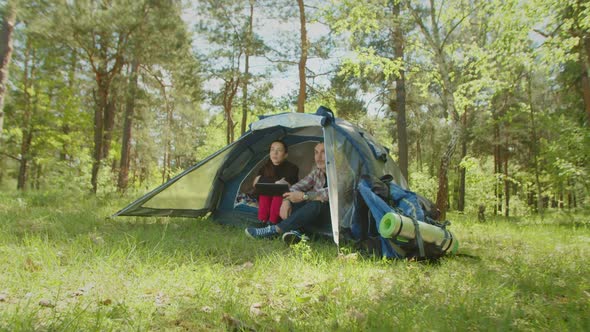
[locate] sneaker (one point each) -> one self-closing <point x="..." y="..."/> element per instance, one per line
<point x="259" y="233"/>
<point x="261" y="223"/>
<point x="294" y="237"/>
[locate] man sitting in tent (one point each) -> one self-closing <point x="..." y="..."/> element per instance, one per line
<point x="305" y="205"/>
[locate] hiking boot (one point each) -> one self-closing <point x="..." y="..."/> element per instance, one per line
<point x="260" y="233"/>
<point x="294" y="237"/>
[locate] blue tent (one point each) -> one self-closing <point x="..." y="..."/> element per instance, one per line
<point x="217" y="185"/>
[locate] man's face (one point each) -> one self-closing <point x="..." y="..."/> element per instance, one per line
<point x="320" y="156"/>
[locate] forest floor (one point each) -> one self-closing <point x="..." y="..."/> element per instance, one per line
<point x="66" y="266"/>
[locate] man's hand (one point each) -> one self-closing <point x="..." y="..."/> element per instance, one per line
<point x="285" y="210"/>
<point x="294" y="196"/>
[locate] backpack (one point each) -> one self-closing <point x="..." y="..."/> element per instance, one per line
<point x="379" y="197"/>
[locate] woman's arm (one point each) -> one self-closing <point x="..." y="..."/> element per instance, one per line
<point x="255" y="181"/>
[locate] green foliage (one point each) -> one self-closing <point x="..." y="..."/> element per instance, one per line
<point x="512" y="67"/>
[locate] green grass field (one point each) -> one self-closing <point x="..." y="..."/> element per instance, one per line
<point x="65" y="266"/>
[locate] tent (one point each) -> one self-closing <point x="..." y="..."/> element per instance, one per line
<point x="368" y="196"/>
<point x="217" y="185"/>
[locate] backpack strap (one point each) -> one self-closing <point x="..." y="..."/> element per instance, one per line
<point x="419" y="240"/>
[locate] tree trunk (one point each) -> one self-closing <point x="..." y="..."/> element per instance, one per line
<point x="27" y="125"/>
<point x="461" y="198"/>
<point x="167" y="136"/>
<point x="128" y="124"/>
<point x="442" y="196"/>
<point x="400" y="89"/>
<point x="506" y="182"/>
<point x="101" y="103"/>
<point x="104" y="109"/>
<point x="418" y="153"/>
<point x="497" y="169"/>
<point x="303" y="59"/>
<point x="229" y="92"/>
<point x="6" y="48"/>
<point x="63" y="155"/>
<point x="247" y="70"/>
<point x="432" y="34"/>
<point x="584" y="61"/>
<point x="535" y="149"/>
<point x="431" y="165"/>
<point x="109" y="124"/>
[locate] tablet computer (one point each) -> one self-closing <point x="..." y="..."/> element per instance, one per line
<point x="271" y="189"/>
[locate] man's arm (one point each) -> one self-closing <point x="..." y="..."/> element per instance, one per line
<point x="320" y="195"/>
<point x="306" y="183"/>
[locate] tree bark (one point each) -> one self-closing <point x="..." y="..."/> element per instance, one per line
<point x="247" y="69"/>
<point x="461" y="198"/>
<point x="104" y="109"/>
<point x="167" y="138"/>
<point x="497" y="168"/>
<point x="303" y="59"/>
<point x="27" y="125"/>
<point x="127" y="126"/>
<point x="229" y="92"/>
<point x="585" y="62"/>
<point x="400" y="89"/>
<point x="435" y="40"/>
<point x="535" y="149"/>
<point x="586" y="87"/>
<point x="442" y="196"/>
<point x="6" y="48"/>
<point x="506" y="182"/>
<point x="101" y="102"/>
<point x="418" y="153"/>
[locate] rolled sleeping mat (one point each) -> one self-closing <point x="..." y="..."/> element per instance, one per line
<point x="393" y="225"/>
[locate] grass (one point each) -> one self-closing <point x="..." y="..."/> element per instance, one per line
<point x="65" y="266"/>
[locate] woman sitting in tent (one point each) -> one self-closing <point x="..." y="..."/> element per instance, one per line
<point x="276" y="170"/>
<point x="306" y="204"/>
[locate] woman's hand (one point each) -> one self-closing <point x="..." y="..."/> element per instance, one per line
<point x="282" y="181"/>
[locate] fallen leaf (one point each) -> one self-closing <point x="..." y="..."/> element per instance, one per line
<point x="255" y="309"/>
<point x="83" y="290"/>
<point x="31" y="265"/>
<point x="306" y="285"/>
<point x="247" y="265"/>
<point x="46" y="303"/>
<point x="232" y="323"/>
<point x="161" y="299"/>
<point x="98" y="240"/>
<point x="106" y="302"/>
<point x="356" y="314"/>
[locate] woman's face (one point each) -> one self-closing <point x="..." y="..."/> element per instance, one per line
<point x="277" y="153"/>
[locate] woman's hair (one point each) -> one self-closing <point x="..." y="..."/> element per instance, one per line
<point x="279" y="141"/>
<point x="269" y="170"/>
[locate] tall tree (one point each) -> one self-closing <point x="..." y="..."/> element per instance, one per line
<point x="123" y="178"/>
<point x="27" y="125"/>
<point x="400" y="90"/>
<point x="229" y="29"/>
<point x="302" y="57"/>
<point x="436" y="37"/>
<point x="101" y="31"/>
<point x="247" y="54"/>
<point x="6" y="29"/>
<point x="378" y="38"/>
